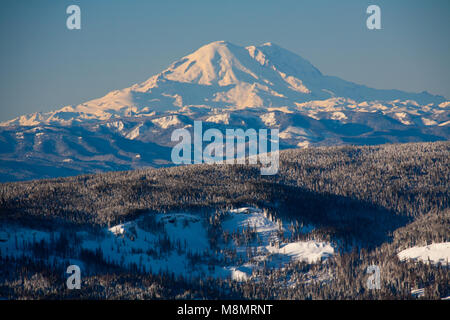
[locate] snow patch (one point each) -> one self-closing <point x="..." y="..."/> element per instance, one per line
<point x="269" y="119"/>
<point x="309" y="251"/>
<point x="338" y="116"/>
<point x="219" y="118"/>
<point x="435" y="253"/>
<point x="429" y="122"/>
<point x="166" y="122"/>
<point x="134" y="133"/>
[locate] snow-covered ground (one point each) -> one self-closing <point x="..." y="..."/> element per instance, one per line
<point x="310" y="251"/>
<point x="248" y="239"/>
<point x="435" y="253"/>
<point x="190" y="233"/>
<point x="418" y="293"/>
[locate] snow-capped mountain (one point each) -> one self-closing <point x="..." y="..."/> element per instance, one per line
<point x="224" y="85"/>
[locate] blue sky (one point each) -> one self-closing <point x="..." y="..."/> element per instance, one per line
<point x="45" y="66"/>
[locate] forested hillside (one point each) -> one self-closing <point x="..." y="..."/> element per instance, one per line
<point x="369" y="202"/>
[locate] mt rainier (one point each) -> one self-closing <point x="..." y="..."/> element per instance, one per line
<point x="224" y="85"/>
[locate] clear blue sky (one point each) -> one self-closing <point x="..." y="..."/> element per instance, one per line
<point x="45" y="66"/>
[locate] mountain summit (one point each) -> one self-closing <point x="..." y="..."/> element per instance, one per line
<point x="258" y="76"/>
<point x="223" y="75"/>
<point x="223" y="85"/>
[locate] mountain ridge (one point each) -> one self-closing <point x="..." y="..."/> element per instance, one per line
<point x="223" y="75"/>
<point x="223" y="85"/>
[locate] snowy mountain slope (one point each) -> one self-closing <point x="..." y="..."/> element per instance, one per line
<point x="224" y="85"/>
<point x="223" y="75"/>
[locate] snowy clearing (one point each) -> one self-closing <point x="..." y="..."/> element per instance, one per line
<point x="244" y="241"/>
<point x="436" y="253"/>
